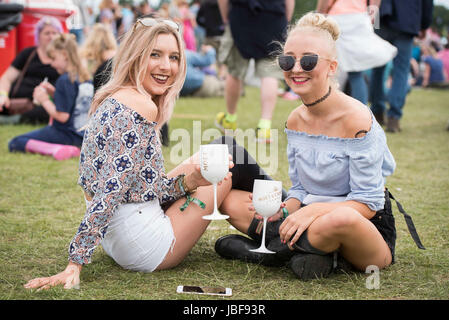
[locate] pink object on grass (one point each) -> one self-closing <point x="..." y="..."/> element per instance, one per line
<point x="57" y="151"/>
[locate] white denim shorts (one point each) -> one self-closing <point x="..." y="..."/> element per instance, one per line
<point x="139" y="236"/>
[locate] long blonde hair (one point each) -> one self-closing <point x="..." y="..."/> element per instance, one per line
<point x="66" y="43"/>
<point x="100" y="40"/>
<point x="129" y="68"/>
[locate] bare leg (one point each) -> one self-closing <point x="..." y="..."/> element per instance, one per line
<point x="345" y="229"/>
<point x="236" y="206"/>
<point x="188" y="225"/>
<point x="357" y="239"/>
<point x="232" y="93"/>
<point x="268" y="97"/>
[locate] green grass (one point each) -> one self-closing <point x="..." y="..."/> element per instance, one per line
<point x="41" y="207"/>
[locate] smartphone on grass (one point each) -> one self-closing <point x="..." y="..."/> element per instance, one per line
<point x="214" y="291"/>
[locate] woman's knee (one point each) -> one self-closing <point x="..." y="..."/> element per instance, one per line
<point x="235" y="199"/>
<point x="17" y="144"/>
<point x="340" y="220"/>
<point x="236" y="205"/>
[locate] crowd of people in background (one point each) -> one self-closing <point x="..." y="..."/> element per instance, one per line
<point x="198" y="21"/>
<point x="96" y="32"/>
<point x="123" y="66"/>
<point x="100" y="25"/>
<point x="430" y="61"/>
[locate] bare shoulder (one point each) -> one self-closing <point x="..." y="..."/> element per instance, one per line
<point x="294" y="119"/>
<point x="138" y="102"/>
<point x="358" y="121"/>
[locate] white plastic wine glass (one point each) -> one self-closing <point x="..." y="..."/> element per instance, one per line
<point x="214" y="163"/>
<point x="267" y="199"/>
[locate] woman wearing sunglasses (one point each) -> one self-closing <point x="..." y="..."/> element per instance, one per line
<point x="122" y="169"/>
<point x="338" y="161"/>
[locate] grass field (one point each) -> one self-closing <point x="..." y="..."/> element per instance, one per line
<point x="41" y="207"/>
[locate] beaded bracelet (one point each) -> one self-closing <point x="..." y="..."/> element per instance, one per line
<point x="184" y="184"/>
<point x="181" y="184"/>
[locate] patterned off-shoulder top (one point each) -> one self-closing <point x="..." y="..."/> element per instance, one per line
<point x="121" y="162"/>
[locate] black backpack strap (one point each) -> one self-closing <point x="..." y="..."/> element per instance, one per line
<point x="409" y="222"/>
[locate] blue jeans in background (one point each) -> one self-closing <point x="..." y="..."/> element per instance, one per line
<point x="79" y="33"/>
<point x="359" y="87"/>
<point x="401" y="69"/>
<point x="48" y="134"/>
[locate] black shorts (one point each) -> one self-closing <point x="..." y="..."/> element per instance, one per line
<point x="383" y="220"/>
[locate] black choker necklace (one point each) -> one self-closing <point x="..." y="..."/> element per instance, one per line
<point x="320" y="99"/>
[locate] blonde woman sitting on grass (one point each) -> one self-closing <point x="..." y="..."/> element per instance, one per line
<point x="140" y="215"/>
<point x="338" y="212"/>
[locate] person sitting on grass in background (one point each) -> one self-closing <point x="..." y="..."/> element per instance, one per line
<point x="67" y="103"/>
<point x="30" y="67"/>
<point x="337" y="212"/>
<point x="198" y="83"/>
<point x="434" y="75"/>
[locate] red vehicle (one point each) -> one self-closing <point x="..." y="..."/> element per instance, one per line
<point x="22" y="36"/>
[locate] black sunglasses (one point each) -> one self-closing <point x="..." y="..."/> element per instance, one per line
<point x="307" y="62"/>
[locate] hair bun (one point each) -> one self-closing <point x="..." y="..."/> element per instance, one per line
<point x="319" y="21"/>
